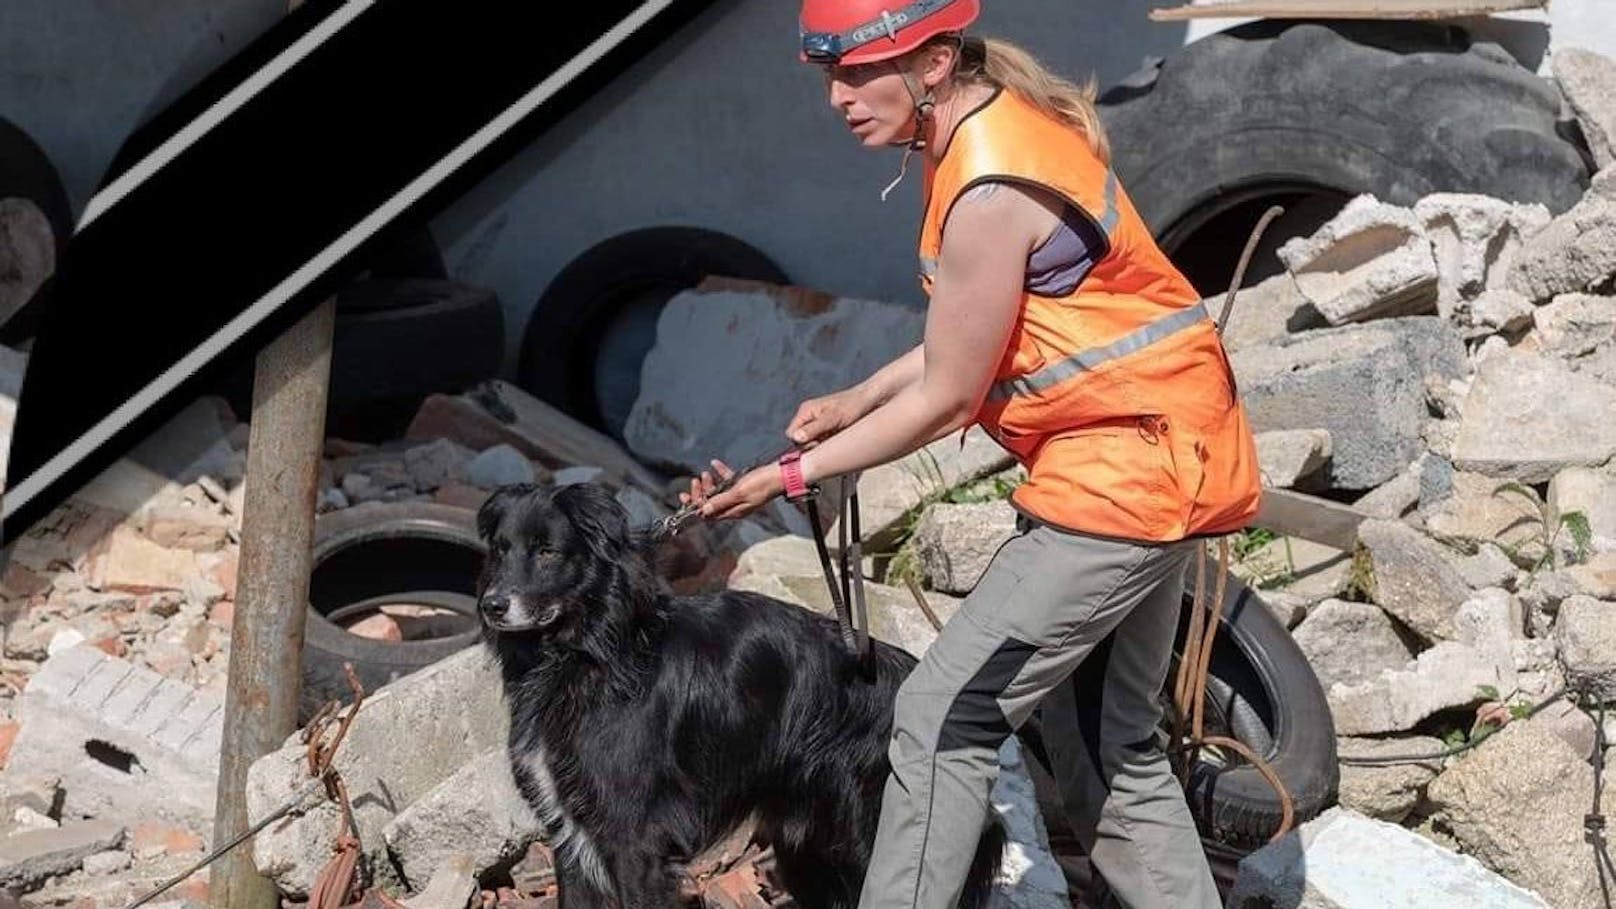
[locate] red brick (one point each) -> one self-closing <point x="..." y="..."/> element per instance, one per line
<point x="8" y="735"/>
<point x="224" y="573"/>
<point x="223" y="613"/>
<point x="461" y="495"/>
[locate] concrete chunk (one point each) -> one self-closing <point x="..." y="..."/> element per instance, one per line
<point x="1350" y="642"/>
<point x="1586" y="635"/>
<point x="1475" y="239"/>
<point x="1475" y="510"/>
<point x="117" y="735"/>
<point x="892" y="490"/>
<point x="1501" y="310"/>
<point x="1446" y="676"/>
<point x="1309" y="571"/>
<point x="787" y="568"/>
<point x="1272" y="308"/>
<point x="130" y="562"/>
<point x="1588" y="82"/>
<point x="1591" y="491"/>
<point x="957" y="541"/>
<point x="1574" y="325"/>
<point x="1288" y="457"/>
<point x="1364" y="384"/>
<point x="30" y="858"/>
<point x="453" y="885"/>
<point x="477" y="811"/>
<point x="1509" y="429"/>
<point x="1414" y="577"/>
<point x="1575" y="252"/>
<point x="1480" y="798"/>
<point x="733" y="359"/>
<point x="408" y="736"/>
<point x="1370" y="261"/>
<point x="1344" y="860"/>
<point x="1389" y="792"/>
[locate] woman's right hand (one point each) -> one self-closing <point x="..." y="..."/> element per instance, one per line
<point x="822" y="417"/>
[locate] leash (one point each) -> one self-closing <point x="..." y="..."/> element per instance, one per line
<point x="846" y="591"/>
<point x="1189" y="690"/>
<point x="847" y="595"/>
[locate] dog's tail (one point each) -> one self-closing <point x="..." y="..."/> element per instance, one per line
<point x="985" y="864"/>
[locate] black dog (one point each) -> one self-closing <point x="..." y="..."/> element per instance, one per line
<point x="646" y="727"/>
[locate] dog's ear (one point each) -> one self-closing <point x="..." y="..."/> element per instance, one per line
<point x="495" y="506"/>
<point x="597" y="516"/>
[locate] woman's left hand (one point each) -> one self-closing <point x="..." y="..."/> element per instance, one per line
<point x="751" y="492"/>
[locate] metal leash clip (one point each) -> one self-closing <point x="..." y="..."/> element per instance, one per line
<point x="670" y="526"/>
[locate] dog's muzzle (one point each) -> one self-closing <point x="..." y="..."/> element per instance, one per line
<point x="505" y="613"/>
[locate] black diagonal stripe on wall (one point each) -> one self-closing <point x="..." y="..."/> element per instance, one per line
<point x="267" y="189"/>
<point x="975" y="719"/>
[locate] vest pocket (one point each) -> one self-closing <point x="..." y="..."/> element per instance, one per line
<point x="1232" y="484"/>
<point x="1184" y="463"/>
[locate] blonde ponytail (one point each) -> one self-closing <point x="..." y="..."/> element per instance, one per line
<point x="1008" y="66"/>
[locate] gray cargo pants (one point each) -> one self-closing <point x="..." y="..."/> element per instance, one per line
<point x="1047" y="601"/>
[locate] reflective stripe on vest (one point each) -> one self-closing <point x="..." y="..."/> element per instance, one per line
<point x="1084" y="360"/>
<point x="1108" y="218"/>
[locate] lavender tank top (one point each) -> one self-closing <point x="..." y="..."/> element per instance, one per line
<point x="1060" y="264"/>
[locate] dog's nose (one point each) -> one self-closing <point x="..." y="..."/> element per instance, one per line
<point x="495" y="605"/>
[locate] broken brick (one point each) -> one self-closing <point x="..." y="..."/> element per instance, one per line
<point x="22" y="583"/>
<point x="154" y="838"/>
<point x="129" y="562"/>
<point x="380" y="627"/>
<point x="224" y="573"/>
<point x="8" y="735"/>
<point x="461" y="495"/>
<point x="223" y="613"/>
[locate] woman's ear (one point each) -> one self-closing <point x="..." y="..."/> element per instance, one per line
<point x="936" y="62"/>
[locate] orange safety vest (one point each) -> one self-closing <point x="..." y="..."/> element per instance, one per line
<point x="1118" y="398"/>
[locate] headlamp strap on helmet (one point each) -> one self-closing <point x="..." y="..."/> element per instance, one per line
<point x="823" y="46"/>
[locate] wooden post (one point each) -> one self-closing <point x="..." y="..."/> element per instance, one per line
<point x="291" y="382"/>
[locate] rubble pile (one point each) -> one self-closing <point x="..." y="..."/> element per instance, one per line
<point x="118" y="609"/>
<point x="1465" y="377"/>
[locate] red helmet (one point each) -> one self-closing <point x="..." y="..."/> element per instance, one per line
<point x="862" y="31"/>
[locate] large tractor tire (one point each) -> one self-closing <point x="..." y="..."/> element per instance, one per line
<point x="1310" y="114"/>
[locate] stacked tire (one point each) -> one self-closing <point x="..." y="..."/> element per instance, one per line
<point x="35" y="225"/>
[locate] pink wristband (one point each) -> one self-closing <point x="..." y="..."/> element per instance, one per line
<point x="791" y="471"/>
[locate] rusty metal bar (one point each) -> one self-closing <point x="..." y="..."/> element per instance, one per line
<point x="277" y="537"/>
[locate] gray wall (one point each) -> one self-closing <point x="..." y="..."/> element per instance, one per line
<point x="79" y="75"/>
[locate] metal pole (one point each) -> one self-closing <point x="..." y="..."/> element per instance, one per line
<point x="277" y="537"/>
<point x="290" y="386"/>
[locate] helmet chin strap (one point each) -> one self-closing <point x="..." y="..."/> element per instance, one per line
<point x="923" y="109"/>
